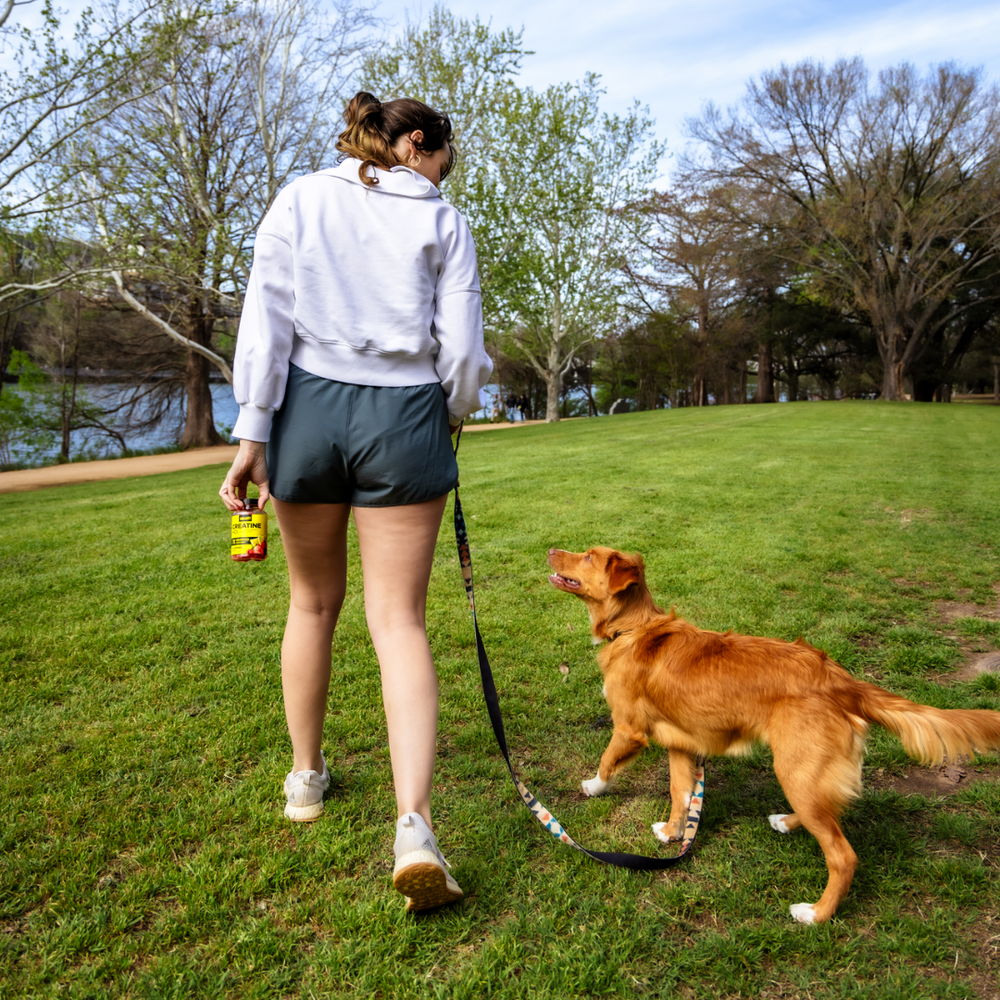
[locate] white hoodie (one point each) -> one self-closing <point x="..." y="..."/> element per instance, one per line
<point x="372" y="286"/>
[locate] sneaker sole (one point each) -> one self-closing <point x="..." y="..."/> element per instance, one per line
<point x="304" y="814"/>
<point x="424" y="883"/>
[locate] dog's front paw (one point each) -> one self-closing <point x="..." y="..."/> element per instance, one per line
<point x="777" y="821"/>
<point x="595" y="786"/>
<point x="803" y="912"/>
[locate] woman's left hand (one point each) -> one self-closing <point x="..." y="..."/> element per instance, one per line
<point x="249" y="466"/>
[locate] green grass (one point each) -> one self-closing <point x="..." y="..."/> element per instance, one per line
<point x="142" y="743"/>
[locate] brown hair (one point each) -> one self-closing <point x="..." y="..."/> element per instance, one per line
<point x="373" y="128"/>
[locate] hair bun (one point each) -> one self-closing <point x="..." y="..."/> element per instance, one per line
<point x="363" y="105"/>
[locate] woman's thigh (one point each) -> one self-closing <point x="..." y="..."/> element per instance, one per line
<point x="314" y="537"/>
<point x="397" y="552"/>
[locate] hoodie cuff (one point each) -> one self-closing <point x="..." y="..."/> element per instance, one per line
<point x="253" y="423"/>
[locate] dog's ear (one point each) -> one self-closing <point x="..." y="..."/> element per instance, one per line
<point x="623" y="571"/>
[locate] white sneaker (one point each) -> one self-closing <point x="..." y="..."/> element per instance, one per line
<point x="304" y="792"/>
<point x="421" y="872"/>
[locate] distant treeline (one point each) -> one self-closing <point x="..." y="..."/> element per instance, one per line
<point x="835" y="235"/>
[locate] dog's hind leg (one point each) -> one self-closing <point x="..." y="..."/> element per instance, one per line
<point x="784" y="822"/>
<point x="819" y="778"/>
<point x="623" y="747"/>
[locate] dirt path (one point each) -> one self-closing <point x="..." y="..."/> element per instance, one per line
<point x="147" y="465"/>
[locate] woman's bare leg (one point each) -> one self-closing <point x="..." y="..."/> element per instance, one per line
<point x="314" y="537"/>
<point x="397" y="550"/>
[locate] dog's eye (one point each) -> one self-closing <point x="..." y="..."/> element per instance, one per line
<point x="586" y="558"/>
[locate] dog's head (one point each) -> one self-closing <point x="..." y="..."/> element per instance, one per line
<point x="597" y="574"/>
<point x="612" y="583"/>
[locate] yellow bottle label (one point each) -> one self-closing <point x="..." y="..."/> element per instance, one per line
<point x="248" y="535"/>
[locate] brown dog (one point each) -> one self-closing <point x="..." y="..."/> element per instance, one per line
<point x="703" y="693"/>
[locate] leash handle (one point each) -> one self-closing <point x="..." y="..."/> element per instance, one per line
<point x="635" y="862"/>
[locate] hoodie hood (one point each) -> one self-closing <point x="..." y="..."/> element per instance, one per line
<point x="400" y="180"/>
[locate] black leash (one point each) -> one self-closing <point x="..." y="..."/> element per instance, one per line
<point x="636" y="862"/>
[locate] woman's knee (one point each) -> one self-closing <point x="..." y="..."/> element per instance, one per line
<point x="387" y="626"/>
<point x="320" y="604"/>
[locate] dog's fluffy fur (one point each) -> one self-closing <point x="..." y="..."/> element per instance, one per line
<point x="703" y="693"/>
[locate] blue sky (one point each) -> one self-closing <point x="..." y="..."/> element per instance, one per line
<point x="675" y="56"/>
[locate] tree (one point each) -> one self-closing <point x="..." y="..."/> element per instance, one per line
<point x="60" y="90"/>
<point x="180" y="177"/>
<point x="58" y="338"/>
<point x="974" y="327"/>
<point x="458" y="66"/>
<point x="809" y="341"/>
<point x="888" y="189"/>
<point x="650" y="363"/>
<point x="694" y="248"/>
<point x="543" y="179"/>
<point x="467" y="70"/>
<point x="562" y="282"/>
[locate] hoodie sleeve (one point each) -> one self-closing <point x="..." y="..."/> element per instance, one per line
<point x="462" y="363"/>
<point x="264" y="342"/>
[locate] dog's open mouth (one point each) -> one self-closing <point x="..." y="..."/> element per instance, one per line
<point x="564" y="582"/>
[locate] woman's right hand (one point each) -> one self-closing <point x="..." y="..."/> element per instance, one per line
<point x="249" y="466"/>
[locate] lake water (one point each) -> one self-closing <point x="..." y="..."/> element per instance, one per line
<point x="224" y="409"/>
<point x="165" y="434"/>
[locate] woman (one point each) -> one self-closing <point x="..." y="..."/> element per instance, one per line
<point x="360" y="351"/>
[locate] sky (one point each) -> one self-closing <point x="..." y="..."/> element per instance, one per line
<point x="675" y="56"/>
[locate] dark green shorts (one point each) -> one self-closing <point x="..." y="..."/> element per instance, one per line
<point x="366" y="445"/>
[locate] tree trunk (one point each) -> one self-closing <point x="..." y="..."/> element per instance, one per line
<point x="765" y="375"/>
<point x="69" y="405"/>
<point x="793" y="384"/>
<point x="892" y="381"/>
<point x="892" y="346"/>
<point x="553" y="377"/>
<point x="553" y="389"/>
<point x="67" y="412"/>
<point x="199" y="422"/>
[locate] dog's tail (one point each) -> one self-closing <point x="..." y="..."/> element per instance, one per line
<point x="931" y="734"/>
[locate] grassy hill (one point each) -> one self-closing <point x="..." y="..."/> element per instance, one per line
<point x="142" y="742"/>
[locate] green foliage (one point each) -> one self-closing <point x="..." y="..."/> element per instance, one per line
<point x="546" y="181"/>
<point x="142" y="742"/>
<point x="649" y="364"/>
<point x="564" y="284"/>
<point x="67" y="81"/>
<point x="23" y="436"/>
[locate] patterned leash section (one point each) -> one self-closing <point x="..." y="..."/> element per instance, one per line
<point x="636" y="862"/>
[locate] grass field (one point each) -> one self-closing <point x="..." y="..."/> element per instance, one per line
<point x="143" y="852"/>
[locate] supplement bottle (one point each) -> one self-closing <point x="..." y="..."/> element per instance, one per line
<point x="248" y="536"/>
